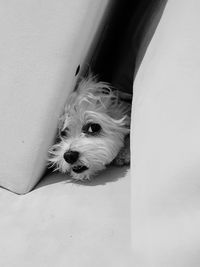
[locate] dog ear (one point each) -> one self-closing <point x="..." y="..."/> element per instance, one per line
<point x="123" y="157"/>
<point x="126" y="97"/>
<point x="119" y="110"/>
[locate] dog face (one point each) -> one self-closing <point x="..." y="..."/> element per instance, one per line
<point x="91" y="130"/>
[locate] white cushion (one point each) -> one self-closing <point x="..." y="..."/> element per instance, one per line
<point x="42" y="43"/>
<point x="166" y="143"/>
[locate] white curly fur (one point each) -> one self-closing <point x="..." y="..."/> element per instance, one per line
<point x="92" y="102"/>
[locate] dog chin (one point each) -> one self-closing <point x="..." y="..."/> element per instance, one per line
<point x="80" y="172"/>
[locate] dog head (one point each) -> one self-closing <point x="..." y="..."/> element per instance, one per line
<point x="91" y="130"/>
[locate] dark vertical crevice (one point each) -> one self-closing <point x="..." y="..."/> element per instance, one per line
<point x="116" y="57"/>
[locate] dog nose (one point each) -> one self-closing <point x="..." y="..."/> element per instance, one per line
<point x="71" y="156"/>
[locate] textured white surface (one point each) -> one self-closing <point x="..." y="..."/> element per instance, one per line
<point x="42" y="43"/>
<point x="166" y="143"/>
<point x="64" y="224"/>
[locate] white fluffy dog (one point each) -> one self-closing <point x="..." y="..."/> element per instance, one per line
<point x="93" y="131"/>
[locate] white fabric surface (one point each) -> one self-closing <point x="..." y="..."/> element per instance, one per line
<point x="166" y="143"/>
<point x="58" y="224"/>
<point x="42" y="43"/>
<point x="62" y="224"/>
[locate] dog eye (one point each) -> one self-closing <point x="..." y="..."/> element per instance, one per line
<point x="92" y="128"/>
<point x="64" y="133"/>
